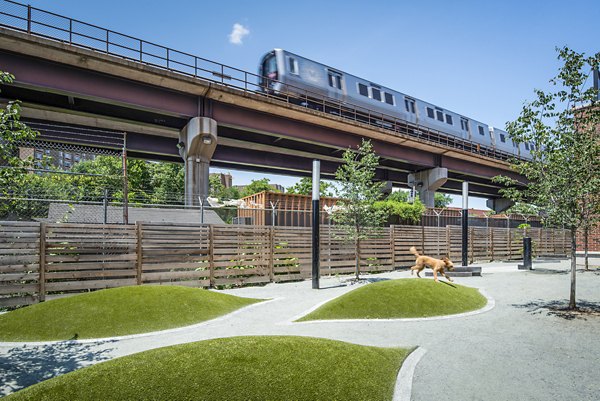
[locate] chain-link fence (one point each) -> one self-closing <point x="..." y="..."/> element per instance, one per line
<point x="92" y="181"/>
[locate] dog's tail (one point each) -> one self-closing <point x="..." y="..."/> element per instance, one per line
<point x="414" y="251"/>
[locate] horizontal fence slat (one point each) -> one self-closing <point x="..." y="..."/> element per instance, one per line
<point x="85" y="257"/>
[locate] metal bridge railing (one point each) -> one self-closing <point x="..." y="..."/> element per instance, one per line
<point x="35" y="21"/>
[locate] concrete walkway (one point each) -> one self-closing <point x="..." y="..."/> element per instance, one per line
<point x="515" y="351"/>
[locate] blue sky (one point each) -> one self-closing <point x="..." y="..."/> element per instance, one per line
<point x="478" y="58"/>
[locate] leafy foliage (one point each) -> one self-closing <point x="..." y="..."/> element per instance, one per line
<point x="440" y="200"/>
<point x="564" y="173"/>
<point x="12" y="131"/>
<point x="257" y="186"/>
<point x="358" y="193"/>
<point x="218" y="190"/>
<point x="401" y="212"/>
<point x="304" y="187"/>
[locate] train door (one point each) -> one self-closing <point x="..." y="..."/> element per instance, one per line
<point x="336" y="85"/>
<point x="464" y="128"/>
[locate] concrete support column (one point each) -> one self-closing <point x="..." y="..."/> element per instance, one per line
<point x="197" y="144"/>
<point x="426" y="182"/>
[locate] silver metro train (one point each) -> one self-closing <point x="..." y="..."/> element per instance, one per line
<point x="285" y="72"/>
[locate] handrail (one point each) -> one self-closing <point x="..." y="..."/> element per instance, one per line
<point x="47" y="24"/>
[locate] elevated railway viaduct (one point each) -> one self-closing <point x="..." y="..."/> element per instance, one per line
<point x="62" y="83"/>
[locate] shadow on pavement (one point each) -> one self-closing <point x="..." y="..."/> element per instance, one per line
<point x="26" y="365"/>
<point x="541" y="270"/>
<point x="584" y="310"/>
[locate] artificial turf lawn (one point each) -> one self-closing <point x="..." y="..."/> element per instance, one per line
<point x="116" y="312"/>
<point x="238" y="368"/>
<point x="404" y="298"/>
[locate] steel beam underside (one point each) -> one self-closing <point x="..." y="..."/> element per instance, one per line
<point x="41" y="76"/>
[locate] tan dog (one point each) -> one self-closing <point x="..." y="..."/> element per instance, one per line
<point x="437" y="265"/>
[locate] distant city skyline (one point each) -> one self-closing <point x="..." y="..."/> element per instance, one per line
<point x="479" y="59"/>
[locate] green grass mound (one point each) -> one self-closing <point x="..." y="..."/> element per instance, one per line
<point x="238" y="368"/>
<point x="116" y="312"/>
<point x="404" y="298"/>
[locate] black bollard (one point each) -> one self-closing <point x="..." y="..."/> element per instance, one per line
<point x="527" y="265"/>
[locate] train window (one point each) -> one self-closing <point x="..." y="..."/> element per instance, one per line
<point x="480" y="130"/>
<point x="335" y="80"/>
<point x="502" y="138"/>
<point x="293" y="65"/>
<point x="527" y="145"/>
<point x="464" y="124"/>
<point x="389" y="98"/>
<point x="448" y="119"/>
<point x="376" y="94"/>
<point x="430" y="112"/>
<point x="410" y="105"/>
<point x="439" y="114"/>
<point x="363" y="90"/>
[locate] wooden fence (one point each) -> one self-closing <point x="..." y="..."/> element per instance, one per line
<point x="40" y="261"/>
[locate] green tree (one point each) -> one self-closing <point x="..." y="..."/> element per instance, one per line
<point x="358" y="192"/>
<point x="168" y="182"/>
<point x="215" y="186"/>
<point x="218" y="190"/>
<point x="304" y="187"/>
<point x="257" y="186"/>
<point x="563" y="176"/>
<point x="398" y="196"/>
<point x="441" y="200"/>
<point x="13" y="168"/>
<point x="401" y="212"/>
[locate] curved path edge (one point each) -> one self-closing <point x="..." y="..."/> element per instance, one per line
<point x="404" y="381"/>
<point x="150" y="333"/>
<point x="491" y="303"/>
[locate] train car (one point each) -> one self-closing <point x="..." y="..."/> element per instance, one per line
<point x="283" y="72"/>
<point x="503" y="142"/>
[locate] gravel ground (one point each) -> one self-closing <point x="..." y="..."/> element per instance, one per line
<point x="525" y="348"/>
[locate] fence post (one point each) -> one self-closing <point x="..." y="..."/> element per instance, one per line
<point x="138" y="231"/>
<point x="471" y="244"/>
<point x="509" y="244"/>
<point x="42" y="268"/>
<point x="272" y="256"/>
<point x="448" y="246"/>
<point x="422" y="237"/>
<point x="105" y="205"/>
<point x="393" y="245"/>
<point x="492" y="245"/>
<point x="211" y="258"/>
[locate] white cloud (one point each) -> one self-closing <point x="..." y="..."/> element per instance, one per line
<point x="238" y="33"/>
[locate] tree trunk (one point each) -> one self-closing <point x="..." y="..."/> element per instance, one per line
<point x="586" y="233"/>
<point x="572" y="303"/>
